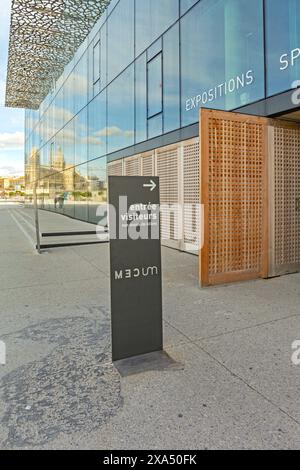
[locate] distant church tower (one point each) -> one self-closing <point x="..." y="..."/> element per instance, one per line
<point x="59" y="161"/>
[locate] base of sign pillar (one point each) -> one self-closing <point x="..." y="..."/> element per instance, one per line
<point x="155" y="361"/>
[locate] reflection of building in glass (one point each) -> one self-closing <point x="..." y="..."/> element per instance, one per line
<point x="12" y="186"/>
<point x="137" y="83"/>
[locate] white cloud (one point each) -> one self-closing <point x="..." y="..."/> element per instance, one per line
<point x="11" y="141"/>
<point x="2" y="92"/>
<point x="11" y="170"/>
<point x="5" y="10"/>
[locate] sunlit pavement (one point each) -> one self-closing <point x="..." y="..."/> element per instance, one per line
<point x="235" y="385"/>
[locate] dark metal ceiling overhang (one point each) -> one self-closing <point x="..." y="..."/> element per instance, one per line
<point x="44" y="36"/>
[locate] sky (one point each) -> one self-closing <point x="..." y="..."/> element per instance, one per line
<point x="11" y="120"/>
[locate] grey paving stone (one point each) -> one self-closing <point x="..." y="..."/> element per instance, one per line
<point x="237" y="389"/>
<point x="262" y="356"/>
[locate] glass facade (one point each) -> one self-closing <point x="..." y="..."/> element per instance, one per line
<point x="283" y="44"/>
<point x="145" y="70"/>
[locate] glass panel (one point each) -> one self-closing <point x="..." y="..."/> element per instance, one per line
<point x="81" y="137"/>
<point x="140" y="99"/>
<point x="97" y="127"/>
<point x="80" y="175"/>
<point x="97" y="191"/>
<point x="222" y="56"/>
<point x="59" y="193"/>
<point x="171" y="80"/>
<point x="96" y="62"/>
<point x="52" y="192"/>
<point x="59" y="110"/>
<point x="283" y="44"/>
<point x="153" y="17"/>
<point x="155" y="86"/>
<point x="81" y="193"/>
<point x="68" y="169"/>
<point x="120" y="38"/>
<point x="68" y="154"/>
<point x="155" y="49"/>
<point x="186" y="4"/>
<point x="120" y="96"/>
<point x="155" y="126"/>
<point x="68" y="195"/>
<point x="103" y="56"/>
<point x="69" y="105"/>
<point x="80" y="88"/>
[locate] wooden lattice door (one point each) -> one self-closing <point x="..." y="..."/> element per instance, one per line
<point x="284" y="182"/>
<point x="234" y="192"/>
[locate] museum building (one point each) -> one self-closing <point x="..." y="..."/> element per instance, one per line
<point x="202" y="93"/>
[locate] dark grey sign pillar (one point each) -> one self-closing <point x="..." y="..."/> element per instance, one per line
<point x="135" y="266"/>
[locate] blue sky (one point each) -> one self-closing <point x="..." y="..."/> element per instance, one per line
<point x="11" y="120"/>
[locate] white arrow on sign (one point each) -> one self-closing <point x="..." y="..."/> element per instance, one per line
<point x="150" y="185"/>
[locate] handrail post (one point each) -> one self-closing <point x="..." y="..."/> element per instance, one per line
<point x="36" y="218"/>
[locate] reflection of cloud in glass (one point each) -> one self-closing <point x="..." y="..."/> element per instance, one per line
<point x="62" y="114"/>
<point x="77" y="84"/>
<point x="114" y="131"/>
<point x="91" y="140"/>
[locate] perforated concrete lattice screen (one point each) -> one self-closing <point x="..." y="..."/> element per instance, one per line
<point x="44" y="36"/>
<point x="168" y="172"/>
<point x="133" y="166"/>
<point x="191" y="193"/>
<point x="115" y="168"/>
<point x="177" y="167"/>
<point x="148" y="164"/>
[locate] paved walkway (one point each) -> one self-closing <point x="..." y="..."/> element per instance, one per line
<point x="236" y="386"/>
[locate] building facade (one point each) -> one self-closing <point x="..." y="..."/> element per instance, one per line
<point x="12" y="186"/>
<point x="129" y="100"/>
<point x="141" y="76"/>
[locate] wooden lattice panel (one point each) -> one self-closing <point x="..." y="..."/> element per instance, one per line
<point x="148" y="165"/>
<point x="234" y="194"/>
<point x="191" y="194"/>
<point x="132" y="166"/>
<point x="285" y="198"/>
<point x="167" y="162"/>
<point x="115" y="168"/>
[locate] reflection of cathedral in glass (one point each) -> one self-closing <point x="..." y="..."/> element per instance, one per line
<point x="63" y="187"/>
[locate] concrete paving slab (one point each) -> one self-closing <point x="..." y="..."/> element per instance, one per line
<point x="82" y="291"/>
<point x="33" y="270"/>
<point x="262" y="356"/>
<point x="98" y="256"/>
<point x="203" y="406"/>
<point x="201" y="313"/>
<point x="238" y="388"/>
<point x="54" y="222"/>
<point x="29" y="314"/>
